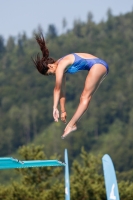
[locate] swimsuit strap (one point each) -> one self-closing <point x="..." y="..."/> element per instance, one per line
<point x="77" y="57"/>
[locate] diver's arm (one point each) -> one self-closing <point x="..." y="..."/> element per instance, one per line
<point x="58" y="89"/>
<point x="63" y="100"/>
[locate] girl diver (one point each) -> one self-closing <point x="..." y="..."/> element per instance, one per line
<point x="71" y="63"/>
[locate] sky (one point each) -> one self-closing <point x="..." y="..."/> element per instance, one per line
<point x="18" y="16"/>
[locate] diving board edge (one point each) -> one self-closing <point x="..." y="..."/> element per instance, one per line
<point x="12" y="163"/>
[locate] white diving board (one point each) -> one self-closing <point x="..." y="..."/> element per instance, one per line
<point x="12" y="163"/>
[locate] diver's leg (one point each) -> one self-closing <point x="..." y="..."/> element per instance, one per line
<point x="93" y="80"/>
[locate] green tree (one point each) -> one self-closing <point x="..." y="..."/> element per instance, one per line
<point x="86" y="181"/>
<point x="52" y="32"/>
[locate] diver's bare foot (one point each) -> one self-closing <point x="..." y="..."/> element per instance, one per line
<point x="68" y="130"/>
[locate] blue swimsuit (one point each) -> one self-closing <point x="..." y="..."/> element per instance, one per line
<point x="84" y="64"/>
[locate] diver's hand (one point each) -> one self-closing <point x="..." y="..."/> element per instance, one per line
<point x="55" y="114"/>
<point x="63" y="116"/>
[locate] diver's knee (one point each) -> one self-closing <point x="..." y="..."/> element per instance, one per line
<point x="85" y="99"/>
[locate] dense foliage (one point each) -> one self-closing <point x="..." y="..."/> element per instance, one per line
<point x="47" y="183"/>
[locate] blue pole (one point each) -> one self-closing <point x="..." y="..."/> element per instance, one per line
<point x="67" y="181"/>
<point x="112" y="191"/>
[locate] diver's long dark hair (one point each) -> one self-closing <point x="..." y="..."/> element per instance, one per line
<point x="42" y="63"/>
